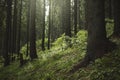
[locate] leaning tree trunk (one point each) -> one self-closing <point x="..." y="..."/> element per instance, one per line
<point x="116" y="12"/>
<point x="33" y="53"/>
<point x="98" y="44"/>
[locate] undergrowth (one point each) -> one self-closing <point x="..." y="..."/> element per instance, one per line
<point x="55" y="64"/>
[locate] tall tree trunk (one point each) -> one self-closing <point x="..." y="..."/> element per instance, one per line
<point x="98" y="44"/>
<point x="75" y="16"/>
<point x="79" y="14"/>
<point x="49" y="29"/>
<point x="116" y="12"/>
<point x="68" y="18"/>
<point x="7" y="39"/>
<point x="14" y="27"/>
<point x="2" y="19"/>
<point x="33" y="53"/>
<point x="110" y="9"/>
<point x="19" y="35"/>
<point x="19" y="29"/>
<point x="62" y="16"/>
<point x="28" y="20"/>
<point x="43" y="29"/>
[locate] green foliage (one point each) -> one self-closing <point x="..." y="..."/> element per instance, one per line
<point x="109" y="27"/>
<point x="107" y="68"/>
<point x="80" y="41"/>
<point x="39" y="43"/>
<point x="60" y="41"/>
<point x="54" y="64"/>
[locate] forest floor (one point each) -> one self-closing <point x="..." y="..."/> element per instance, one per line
<point x="56" y="63"/>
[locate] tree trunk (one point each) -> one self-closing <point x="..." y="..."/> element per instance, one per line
<point x="33" y="53"/>
<point x="49" y="29"/>
<point x="19" y="29"/>
<point x="116" y="12"/>
<point x="43" y="29"/>
<point x="79" y="14"/>
<point x="28" y="25"/>
<point x="98" y="44"/>
<point x="14" y="41"/>
<point x="7" y="39"/>
<point x="110" y="9"/>
<point x="75" y="16"/>
<point x="67" y="21"/>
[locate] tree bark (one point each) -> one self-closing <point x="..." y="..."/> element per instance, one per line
<point x="28" y="28"/>
<point x="19" y="29"/>
<point x="98" y="44"/>
<point x="49" y="29"/>
<point x="43" y="29"/>
<point x="33" y="53"/>
<point x="75" y="16"/>
<point x="116" y="12"/>
<point x="14" y="40"/>
<point x="7" y="39"/>
<point x="67" y="21"/>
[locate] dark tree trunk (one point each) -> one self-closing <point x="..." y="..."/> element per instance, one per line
<point x="116" y="12"/>
<point x="19" y="35"/>
<point x="67" y="21"/>
<point x="2" y="19"/>
<point x="79" y="14"/>
<point x="75" y="16"/>
<point x="49" y="29"/>
<point x="19" y="29"/>
<point x="14" y="41"/>
<point x="28" y="25"/>
<point x="96" y="28"/>
<point x="33" y="53"/>
<point x="98" y="44"/>
<point x="110" y="9"/>
<point x="43" y="29"/>
<point x="7" y="39"/>
<point x="63" y="17"/>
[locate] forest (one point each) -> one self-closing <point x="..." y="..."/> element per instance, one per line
<point x="59" y="40"/>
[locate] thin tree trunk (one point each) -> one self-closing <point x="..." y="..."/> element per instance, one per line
<point x="49" y="29"/>
<point x="28" y="20"/>
<point x="14" y="27"/>
<point x="75" y="16"/>
<point x="19" y="29"/>
<point x="79" y="15"/>
<point x="43" y="30"/>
